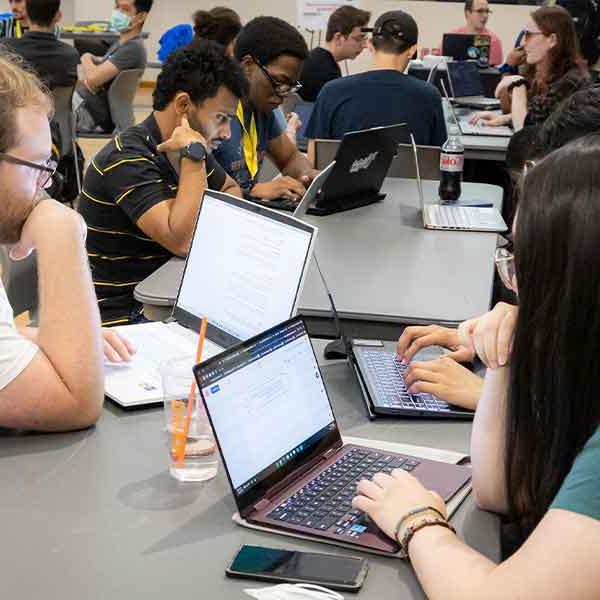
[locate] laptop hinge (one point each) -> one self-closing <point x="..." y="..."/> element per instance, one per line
<point x="298" y="474"/>
<point x="261" y="504"/>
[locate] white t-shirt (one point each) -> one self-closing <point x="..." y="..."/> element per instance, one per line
<point x="16" y="351"/>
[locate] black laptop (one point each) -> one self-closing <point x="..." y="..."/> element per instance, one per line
<point x="466" y="87"/>
<point x="467" y="46"/>
<point x="361" y="164"/>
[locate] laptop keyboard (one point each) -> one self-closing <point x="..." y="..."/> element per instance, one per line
<point x="325" y="504"/>
<point x="453" y="217"/>
<point x="387" y="377"/>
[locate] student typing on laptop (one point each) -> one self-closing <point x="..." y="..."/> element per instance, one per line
<point x="555" y="70"/>
<point x="271" y="53"/>
<point x="384" y="95"/>
<point x="534" y="449"/>
<point x="142" y="191"/>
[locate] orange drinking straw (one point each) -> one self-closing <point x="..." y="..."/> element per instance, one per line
<point x="181" y="436"/>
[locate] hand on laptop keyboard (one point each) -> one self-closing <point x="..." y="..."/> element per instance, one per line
<point x="325" y="504"/>
<point x="416" y="338"/>
<point x="387" y="498"/>
<point x="280" y="187"/>
<point x="445" y="379"/>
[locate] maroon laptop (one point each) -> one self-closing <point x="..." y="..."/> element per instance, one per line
<point x="281" y="446"/>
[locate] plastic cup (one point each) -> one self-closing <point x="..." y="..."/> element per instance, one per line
<point x="200" y="461"/>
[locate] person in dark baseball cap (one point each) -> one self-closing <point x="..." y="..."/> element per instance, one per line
<point x="392" y="30"/>
<point x="384" y="95"/>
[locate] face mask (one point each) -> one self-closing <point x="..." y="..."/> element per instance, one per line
<point x="120" y="21"/>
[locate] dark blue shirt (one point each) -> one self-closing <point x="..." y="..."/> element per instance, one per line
<point x="230" y="154"/>
<point x="378" y="98"/>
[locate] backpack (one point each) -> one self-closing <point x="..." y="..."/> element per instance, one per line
<point x="586" y="14"/>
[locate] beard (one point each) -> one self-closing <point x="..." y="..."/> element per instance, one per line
<point x="14" y="214"/>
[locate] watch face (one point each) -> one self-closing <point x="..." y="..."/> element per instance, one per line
<point x="196" y="151"/>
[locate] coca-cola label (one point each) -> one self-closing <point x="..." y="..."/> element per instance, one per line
<point x="452" y="163"/>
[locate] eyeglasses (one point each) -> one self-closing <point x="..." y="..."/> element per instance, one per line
<point x="281" y="89"/>
<point x="505" y="264"/>
<point x="527" y="33"/>
<point x="45" y="171"/>
<point x="359" y="39"/>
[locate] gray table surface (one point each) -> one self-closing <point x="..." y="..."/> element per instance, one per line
<point x="382" y="265"/>
<point x="479" y="147"/>
<point x="95" y="514"/>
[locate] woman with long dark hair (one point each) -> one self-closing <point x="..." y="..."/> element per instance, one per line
<point x="535" y="445"/>
<point x="554" y="70"/>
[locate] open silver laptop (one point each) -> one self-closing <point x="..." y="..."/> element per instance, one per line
<point x="467" y="128"/>
<point x="458" y="218"/>
<point x="313" y="190"/>
<point x="244" y="272"/>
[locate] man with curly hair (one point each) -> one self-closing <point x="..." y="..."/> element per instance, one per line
<point x="271" y="53"/>
<point x="142" y="192"/>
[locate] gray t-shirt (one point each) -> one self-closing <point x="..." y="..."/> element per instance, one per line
<point x="130" y="55"/>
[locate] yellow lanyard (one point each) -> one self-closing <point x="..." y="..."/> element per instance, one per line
<point x="18" y="30"/>
<point x="250" y="141"/>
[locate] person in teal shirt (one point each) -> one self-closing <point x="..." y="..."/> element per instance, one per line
<point x="535" y="445"/>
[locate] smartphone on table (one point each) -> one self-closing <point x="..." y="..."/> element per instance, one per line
<point x="274" y="565"/>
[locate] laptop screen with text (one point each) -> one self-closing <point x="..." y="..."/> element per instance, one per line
<point x="245" y="266"/>
<point x="267" y="404"/>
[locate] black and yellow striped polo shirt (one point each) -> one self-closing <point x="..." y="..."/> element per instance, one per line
<point x="125" y="179"/>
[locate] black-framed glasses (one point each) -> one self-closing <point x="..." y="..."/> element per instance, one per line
<point x="45" y="171"/>
<point x="281" y="89"/>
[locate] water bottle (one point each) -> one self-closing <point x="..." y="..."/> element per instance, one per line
<point x="452" y="161"/>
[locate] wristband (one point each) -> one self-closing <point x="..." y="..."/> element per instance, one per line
<point x="517" y="83"/>
<point x="410" y="531"/>
<point x="412" y="513"/>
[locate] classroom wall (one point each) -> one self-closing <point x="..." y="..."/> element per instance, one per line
<point x="432" y="17"/>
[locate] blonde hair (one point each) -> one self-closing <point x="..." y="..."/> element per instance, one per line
<point x="19" y="88"/>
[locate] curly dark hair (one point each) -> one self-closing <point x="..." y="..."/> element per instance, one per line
<point x="219" y="24"/>
<point x="268" y="38"/>
<point x="200" y="70"/>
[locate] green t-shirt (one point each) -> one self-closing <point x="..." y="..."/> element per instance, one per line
<point x="580" y="491"/>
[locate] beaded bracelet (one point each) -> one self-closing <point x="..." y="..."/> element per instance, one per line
<point x="410" y="531"/>
<point x="412" y="513"/>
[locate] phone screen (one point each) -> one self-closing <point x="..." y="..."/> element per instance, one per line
<point x="304" y="566"/>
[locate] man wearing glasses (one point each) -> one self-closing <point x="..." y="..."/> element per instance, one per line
<point x="477" y="13"/>
<point x="271" y="53"/>
<point x="344" y="40"/>
<point x="51" y="377"/>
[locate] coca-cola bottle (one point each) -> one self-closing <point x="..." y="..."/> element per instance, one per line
<point x="452" y="161"/>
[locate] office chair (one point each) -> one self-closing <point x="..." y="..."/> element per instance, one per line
<point x="63" y="115"/>
<point x="121" y="95"/>
<point x="20" y="282"/>
<point x="403" y="164"/>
